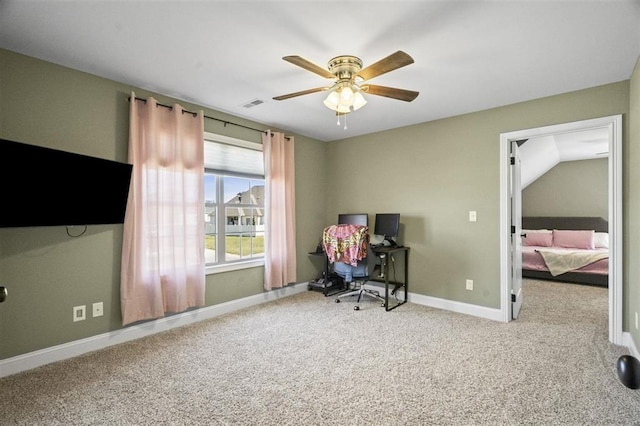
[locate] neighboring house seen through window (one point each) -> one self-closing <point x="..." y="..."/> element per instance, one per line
<point x="234" y="203"/>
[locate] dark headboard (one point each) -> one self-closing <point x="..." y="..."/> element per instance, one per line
<point x="598" y="224"/>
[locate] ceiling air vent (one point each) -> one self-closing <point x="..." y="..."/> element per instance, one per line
<point x="253" y="103"/>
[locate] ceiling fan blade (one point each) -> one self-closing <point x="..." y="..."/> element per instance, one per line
<point x="309" y="66"/>
<point x="390" y="63"/>
<point x="304" y="92"/>
<point x="391" y="92"/>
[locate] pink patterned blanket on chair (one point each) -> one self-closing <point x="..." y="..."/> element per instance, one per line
<point x="346" y="243"/>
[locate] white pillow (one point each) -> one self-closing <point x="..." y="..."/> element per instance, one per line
<point x="601" y="240"/>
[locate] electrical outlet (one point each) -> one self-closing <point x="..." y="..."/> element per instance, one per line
<point x="79" y="313"/>
<point x="473" y="216"/>
<point x="469" y="284"/>
<point x="98" y="309"/>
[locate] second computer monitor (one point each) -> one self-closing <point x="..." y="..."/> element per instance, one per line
<point x="353" y="219"/>
<point x="387" y="225"/>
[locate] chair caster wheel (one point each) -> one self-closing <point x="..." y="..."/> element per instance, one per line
<point x="337" y="300"/>
<point x="356" y="308"/>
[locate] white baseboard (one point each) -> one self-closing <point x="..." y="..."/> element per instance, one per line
<point x="459" y="307"/>
<point x="447" y="305"/>
<point x="45" y="356"/>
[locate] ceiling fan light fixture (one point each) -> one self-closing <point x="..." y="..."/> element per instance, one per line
<point x="343" y="109"/>
<point x="346" y="96"/>
<point x="358" y="101"/>
<point x="332" y="100"/>
<point x="345" y="99"/>
<point x="351" y="81"/>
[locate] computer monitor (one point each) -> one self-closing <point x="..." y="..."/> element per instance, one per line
<point x="387" y="225"/>
<point x="353" y="219"/>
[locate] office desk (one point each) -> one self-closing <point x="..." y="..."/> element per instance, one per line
<point x="389" y="251"/>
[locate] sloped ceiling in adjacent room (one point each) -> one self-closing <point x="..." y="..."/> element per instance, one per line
<point x="539" y="155"/>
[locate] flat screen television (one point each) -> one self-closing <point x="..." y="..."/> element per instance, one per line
<point x="48" y="187"/>
<point x="387" y="225"/>
<point x="353" y="219"/>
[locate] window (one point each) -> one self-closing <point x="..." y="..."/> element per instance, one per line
<point x="234" y="203"/>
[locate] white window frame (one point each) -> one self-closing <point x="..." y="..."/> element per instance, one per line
<point x="225" y="266"/>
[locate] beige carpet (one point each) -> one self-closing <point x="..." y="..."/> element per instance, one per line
<point x="306" y="360"/>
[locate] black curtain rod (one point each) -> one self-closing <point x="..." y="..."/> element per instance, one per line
<point x="225" y="122"/>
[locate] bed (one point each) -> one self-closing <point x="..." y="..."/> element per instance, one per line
<point x="566" y="249"/>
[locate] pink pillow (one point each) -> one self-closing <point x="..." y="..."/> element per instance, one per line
<point x="539" y="239"/>
<point x="573" y="239"/>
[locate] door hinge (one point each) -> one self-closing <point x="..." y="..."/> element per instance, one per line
<point x="512" y="160"/>
<point x="513" y="229"/>
<point x="513" y="298"/>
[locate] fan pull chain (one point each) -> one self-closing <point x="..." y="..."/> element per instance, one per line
<point x="345" y="120"/>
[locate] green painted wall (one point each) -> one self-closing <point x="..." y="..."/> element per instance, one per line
<point x="631" y="154"/>
<point x="571" y="188"/>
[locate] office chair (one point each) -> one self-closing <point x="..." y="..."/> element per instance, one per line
<point x="347" y="247"/>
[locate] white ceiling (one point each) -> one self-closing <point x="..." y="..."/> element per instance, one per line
<point x="469" y="55"/>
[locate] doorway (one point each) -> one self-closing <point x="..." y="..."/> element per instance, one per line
<point x="613" y="124"/>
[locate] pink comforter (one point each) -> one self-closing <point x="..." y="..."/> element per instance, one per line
<point x="533" y="261"/>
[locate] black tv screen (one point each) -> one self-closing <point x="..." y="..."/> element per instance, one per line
<point x="48" y="187"/>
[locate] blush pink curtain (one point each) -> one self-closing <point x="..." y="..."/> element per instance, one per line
<point x="163" y="241"/>
<point x="280" y="207"/>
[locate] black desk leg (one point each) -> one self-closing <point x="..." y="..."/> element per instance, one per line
<point x="397" y="286"/>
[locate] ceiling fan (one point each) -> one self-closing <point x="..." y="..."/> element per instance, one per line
<point x="350" y="80"/>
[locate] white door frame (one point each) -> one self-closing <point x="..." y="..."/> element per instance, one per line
<point x="614" y="125"/>
<point x="515" y="194"/>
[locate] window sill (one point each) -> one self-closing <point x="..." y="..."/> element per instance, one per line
<point x="216" y="269"/>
